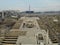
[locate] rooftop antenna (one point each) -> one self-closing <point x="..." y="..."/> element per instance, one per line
<point x="29" y="5"/>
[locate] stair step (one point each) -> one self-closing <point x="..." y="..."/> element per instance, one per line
<point x="10" y="37"/>
<point x="9" y="42"/>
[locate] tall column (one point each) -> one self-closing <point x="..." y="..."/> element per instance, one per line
<point x="47" y="39"/>
<point x="2" y="15"/>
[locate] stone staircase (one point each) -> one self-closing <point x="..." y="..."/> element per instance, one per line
<point x="11" y="37"/>
<point x="9" y="40"/>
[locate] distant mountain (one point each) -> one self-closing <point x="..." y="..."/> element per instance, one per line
<point x="52" y="12"/>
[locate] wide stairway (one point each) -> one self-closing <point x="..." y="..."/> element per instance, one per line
<point x="12" y="36"/>
<point x="9" y="40"/>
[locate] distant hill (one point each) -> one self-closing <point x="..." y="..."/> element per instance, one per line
<point x="52" y="12"/>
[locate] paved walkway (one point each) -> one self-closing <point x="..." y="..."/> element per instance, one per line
<point x="30" y="37"/>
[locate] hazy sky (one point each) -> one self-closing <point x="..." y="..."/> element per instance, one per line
<point x="36" y="5"/>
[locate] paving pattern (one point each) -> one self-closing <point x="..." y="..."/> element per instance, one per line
<point x="30" y="37"/>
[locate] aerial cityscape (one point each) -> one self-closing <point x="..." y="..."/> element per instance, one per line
<point x="24" y="22"/>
